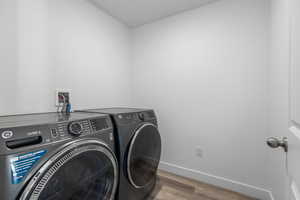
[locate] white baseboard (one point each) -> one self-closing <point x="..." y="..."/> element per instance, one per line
<point x="295" y="191"/>
<point x="271" y="196"/>
<point x="246" y="189"/>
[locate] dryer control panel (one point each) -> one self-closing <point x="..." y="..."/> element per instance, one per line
<point x="137" y="117"/>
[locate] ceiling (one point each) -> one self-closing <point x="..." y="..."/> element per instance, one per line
<point x="138" y="12"/>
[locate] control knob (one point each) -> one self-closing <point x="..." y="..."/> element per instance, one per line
<point x="141" y="116"/>
<point x="75" y="128"/>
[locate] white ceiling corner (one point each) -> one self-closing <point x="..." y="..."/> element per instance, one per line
<point x="138" y="12"/>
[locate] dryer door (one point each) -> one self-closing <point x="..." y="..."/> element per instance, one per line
<point x="86" y="169"/>
<point x="144" y="155"/>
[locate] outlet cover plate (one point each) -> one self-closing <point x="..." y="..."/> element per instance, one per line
<point x="61" y="91"/>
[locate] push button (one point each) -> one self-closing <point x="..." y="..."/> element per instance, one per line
<point x="7" y="134"/>
<point x="54" y="133"/>
<point x="141" y="116"/>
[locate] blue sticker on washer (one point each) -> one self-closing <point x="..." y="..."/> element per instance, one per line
<point x="22" y="164"/>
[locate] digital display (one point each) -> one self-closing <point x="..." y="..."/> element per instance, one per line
<point x="99" y="124"/>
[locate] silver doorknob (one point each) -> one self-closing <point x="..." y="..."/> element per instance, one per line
<point x="274" y="142"/>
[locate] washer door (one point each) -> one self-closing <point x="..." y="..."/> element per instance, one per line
<point x="84" y="170"/>
<point x="144" y="155"/>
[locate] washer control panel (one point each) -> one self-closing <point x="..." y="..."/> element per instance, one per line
<point x="79" y="128"/>
<point x="26" y="131"/>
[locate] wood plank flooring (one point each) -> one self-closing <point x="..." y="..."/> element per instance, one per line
<point x="173" y="187"/>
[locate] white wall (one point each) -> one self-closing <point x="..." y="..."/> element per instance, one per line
<point x="205" y="71"/>
<point x="279" y="94"/>
<point x="70" y="44"/>
<point x="35" y="74"/>
<point x="91" y="52"/>
<point x="8" y="55"/>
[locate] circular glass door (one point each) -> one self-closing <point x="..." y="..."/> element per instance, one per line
<point x="85" y="171"/>
<point x="144" y="155"/>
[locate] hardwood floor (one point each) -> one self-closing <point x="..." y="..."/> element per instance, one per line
<point x="173" y="187"/>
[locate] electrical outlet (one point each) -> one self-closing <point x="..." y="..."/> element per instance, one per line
<point x="199" y="152"/>
<point x="62" y="96"/>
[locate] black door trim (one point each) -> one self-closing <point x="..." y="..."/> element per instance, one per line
<point x="129" y="155"/>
